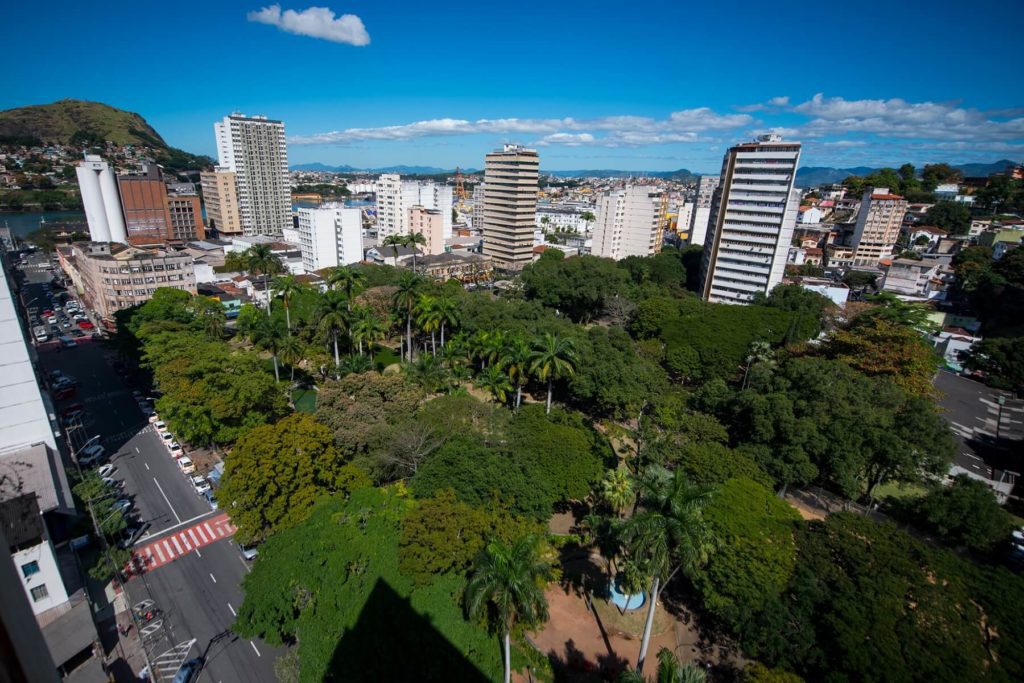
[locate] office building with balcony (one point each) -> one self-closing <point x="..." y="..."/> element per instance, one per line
<point x="878" y="226"/>
<point x="511" y="177"/>
<point x="751" y="222"/>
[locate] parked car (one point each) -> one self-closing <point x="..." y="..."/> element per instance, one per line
<point x="113" y="483"/>
<point x="68" y="342"/>
<point x="85" y="325"/>
<point x="248" y="552"/>
<point x="166" y="436"/>
<point x="188" y="671"/>
<point x="66" y="392"/>
<point x="132" y="534"/>
<point x="106" y="470"/>
<point x="175" y="449"/>
<point x="160" y="425"/>
<point x="199" y="484"/>
<point x="91" y="455"/>
<point x="210" y="500"/>
<point x="154" y="418"/>
<point x="73" y="416"/>
<point x="123" y="506"/>
<point x="186" y="465"/>
<point x="77" y="334"/>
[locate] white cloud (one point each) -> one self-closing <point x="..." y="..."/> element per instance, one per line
<point x="567" y="139"/>
<point x="779" y="101"/>
<point x="315" y="22"/>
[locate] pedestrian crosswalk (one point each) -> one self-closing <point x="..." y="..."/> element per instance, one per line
<point x="150" y="555"/>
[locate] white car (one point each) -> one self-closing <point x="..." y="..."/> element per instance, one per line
<point x="186" y="465"/>
<point x="200" y="484"/>
<point x="106" y="470"/>
<point x="113" y="483"/>
<point x="166" y="436"/>
<point x="175" y="448"/>
<point x="91" y="455"/>
<point x="160" y="426"/>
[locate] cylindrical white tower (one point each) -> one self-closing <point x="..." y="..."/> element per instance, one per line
<point x="92" y="199"/>
<point x="112" y="206"/>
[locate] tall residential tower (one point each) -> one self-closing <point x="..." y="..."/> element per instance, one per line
<point x="751" y="222"/>
<point x="629" y="223"/>
<point x="706" y="187"/>
<point x="254" y="149"/>
<point x="511" y="177"/>
<point x="878" y="226"/>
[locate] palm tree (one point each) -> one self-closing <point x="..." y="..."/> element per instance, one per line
<point x="268" y="335"/>
<point x="516" y="359"/>
<point x="354" y="365"/>
<point x="405" y="299"/>
<point x="366" y="328"/>
<point x="553" y="358"/>
<point x="510" y="578"/>
<point x="287" y="287"/>
<point x="332" y="317"/>
<point x="292" y="352"/>
<point x="666" y="534"/>
<point x="348" y="280"/>
<point x="429" y="373"/>
<point x="617" y="490"/>
<point x="669" y="671"/>
<point x="448" y="312"/>
<point x="429" y="319"/>
<point x="496" y="381"/>
<point x="492" y="344"/>
<point x="262" y="261"/>
<point x="589" y="218"/>
<point x="413" y="240"/>
<point x="393" y="241"/>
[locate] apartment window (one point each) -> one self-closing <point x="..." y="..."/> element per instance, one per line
<point x="30" y="568"/>
<point x="39" y="593"/>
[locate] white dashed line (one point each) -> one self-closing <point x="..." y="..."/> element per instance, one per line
<point x="254" y="648"/>
<point x="232" y="610"/>
<point x="213" y="577"/>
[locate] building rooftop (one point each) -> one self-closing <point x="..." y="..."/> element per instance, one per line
<point x="37" y="470"/>
<point x="21" y="520"/>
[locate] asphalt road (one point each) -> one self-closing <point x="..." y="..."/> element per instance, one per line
<point x="198" y="592"/>
<point x="987" y="433"/>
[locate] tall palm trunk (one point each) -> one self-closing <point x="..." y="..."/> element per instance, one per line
<point x="442" y="334"/>
<point x="288" y="316"/>
<point x="551" y="382"/>
<point x="646" y="641"/>
<point x="433" y="344"/>
<point x="508" y="656"/>
<point x="277" y="377"/>
<point x="337" y="358"/>
<point x="360" y="346"/>
<point x="519" y="396"/>
<point x="408" y="335"/>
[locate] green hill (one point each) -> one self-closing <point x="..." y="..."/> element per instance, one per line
<point x="88" y="124"/>
<point x="73" y="121"/>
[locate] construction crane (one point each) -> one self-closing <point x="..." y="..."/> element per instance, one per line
<point x="461" y="196"/>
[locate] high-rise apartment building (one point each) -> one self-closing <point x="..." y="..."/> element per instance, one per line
<point x="101" y="200"/>
<point x="396" y="197"/>
<point x="751" y="222"/>
<point x="220" y="194"/>
<point x="254" y="148"/>
<point x="684" y="218"/>
<point x="629" y="223"/>
<point x="144" y="202"/>
<point x="878" y="226"/>
<point x="511" y="175"/>
<point x="478" y="206"/>
<point x="330" y="236"/>
<point x="701" y="214"/>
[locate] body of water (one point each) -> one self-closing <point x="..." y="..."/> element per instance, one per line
<point x="21" y="224"/>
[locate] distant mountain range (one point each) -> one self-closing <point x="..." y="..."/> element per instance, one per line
<point x="317" y="167"/>
<point x="809" y="176"/>
<point x="681" y="174"/>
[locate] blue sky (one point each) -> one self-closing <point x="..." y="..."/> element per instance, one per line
<point x="636" y="86"/>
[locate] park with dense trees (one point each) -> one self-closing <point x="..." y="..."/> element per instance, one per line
<point x="410" y="508"/>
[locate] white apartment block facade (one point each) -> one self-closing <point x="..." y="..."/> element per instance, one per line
<point x="878" y="226"/>
<point x="330" y="236"/>
<point x="629" y="223"/>
<point x="751" y="221"/>
<point x="396" y="197"/>
<point x="512" y="179"/>
<point x="684" y="217"/>
<point x="254" y="149"/>
<point x="701" y="214"/>
<point x="562" y="218"/>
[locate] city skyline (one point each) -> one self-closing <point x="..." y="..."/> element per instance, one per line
<point x="598" y="87"/>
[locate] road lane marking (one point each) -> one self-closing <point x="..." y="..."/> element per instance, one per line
<point x="232" y="610"/>
<point x="195" y="541"/>
<point x="137" y="450"/>
<point x="245" y="564"/>
<point x="166" y="500"/>
<point x="175" y="526"/>
<point x="199" y="529"/>
<point x="209" y="530"/>
<point x="159" y="553"/>
<point x="199" y="553"/>
<point x="147" y="466"/>
<point x="184" y="540"/>
<point x="254" y="648"/>
<point x="213" y="577"/>
<point x="167" y="547"/>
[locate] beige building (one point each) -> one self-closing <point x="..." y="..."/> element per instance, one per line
<point x="429" y="222"/>
<point x="186" y="218"/>
<point x="221" y="197"/>
<point x="878" y="226"/>
<point x="112" y="276"/>
<point x="510" y="205"/>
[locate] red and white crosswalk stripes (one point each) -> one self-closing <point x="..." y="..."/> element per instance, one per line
<point x="170" y="547"/>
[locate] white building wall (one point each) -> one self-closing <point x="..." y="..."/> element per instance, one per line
<point x="706" y="187"/>
<point x="48" y="575"/>
<point x="101" y="199"/>
<point x="627" y="223"/>
<point x="330" y="236"/>
<point x="390" y="217"/>
<point x="255" y="149"/>
<point x="349" y="231"/>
